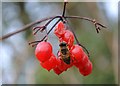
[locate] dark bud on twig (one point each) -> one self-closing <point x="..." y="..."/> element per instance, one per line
<point x="41" y="29"/>
<point x="98" y="25"/>
<point x="34" y="43"/>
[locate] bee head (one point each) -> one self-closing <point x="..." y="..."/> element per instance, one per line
<point x="62" y="44"/>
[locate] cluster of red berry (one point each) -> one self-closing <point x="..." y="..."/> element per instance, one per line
<point x="75" y="53"/>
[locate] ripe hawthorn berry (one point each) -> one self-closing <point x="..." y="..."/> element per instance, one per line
<point x="84" y="60"/>
<point x="57" y="70"/>
<point x="77" y="53"/>
<point x="60" y="29"/>
<point x="63" y="66"/>
<point x="68" y="37"/>
<point x="43" y="51"/>
<point x="84" y="65"/>
<point x="86" y="69"/>
<point x="50" y="63"/>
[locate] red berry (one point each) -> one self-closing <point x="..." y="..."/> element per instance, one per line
<point x="50" y="64"/>
<point x="60" y="29"/>
<point x="68" y="37"/>
<point x="43" y="51"/>
<point x="64" y="35"/>
<point x="57" y="71"/>
<point x="84" y="65"/>
<point x="84" y="60"/>
<point x="76" y="53"/>
<point x="87" y="69"/>
<point x="62" y="65"/>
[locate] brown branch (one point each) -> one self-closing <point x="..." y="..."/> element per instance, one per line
<point x="97" y="25"/>
<point x="25" y="27"/>
<point x="64" y="9"/>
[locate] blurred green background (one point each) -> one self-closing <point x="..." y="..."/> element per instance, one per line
<point x="19" y="62"/>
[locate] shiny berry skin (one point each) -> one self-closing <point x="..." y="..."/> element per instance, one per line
<point x="63" y="34"/>
<point x="43" y="51"/>
<point x="50" y="63"/>
<point x="63" y="66"/>
<point x="84" y="60"/>
<point x="57" y="71"/>
<point x="60" y="29"/>
<point x="77" y="53"/>
<point x="68" y="37"/>
<point x="84" y="65"/>
<point x="86" y="69"/>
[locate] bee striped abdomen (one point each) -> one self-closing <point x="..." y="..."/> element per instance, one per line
<point x="64" y="52"/>
<point x="67" y="60"/>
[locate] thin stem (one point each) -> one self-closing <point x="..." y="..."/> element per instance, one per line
<point x="38" y="29"/>
<point x="46" y="35"/>
<point x="97" y="25"/>
<point x="65" y="3"/>
<point x="78" y="17"/>
<point x="33" y="42"/>
<point x="25" y="27"/>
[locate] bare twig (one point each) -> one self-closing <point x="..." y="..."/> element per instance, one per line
<point x="25" y="28"/>
<point x="65" y="3"/>
<point x="97" y="25"/>
<point x="38" y="28"/>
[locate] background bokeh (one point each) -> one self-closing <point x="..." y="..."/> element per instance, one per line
<point x="19" y="64"/>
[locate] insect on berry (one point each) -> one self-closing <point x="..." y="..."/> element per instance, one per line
<point x="69" y="54"/>
<point x="63" y="66"/>
<point x="64" y="52"/>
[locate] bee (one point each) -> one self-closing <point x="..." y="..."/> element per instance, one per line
<point x="64" y="52"/>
